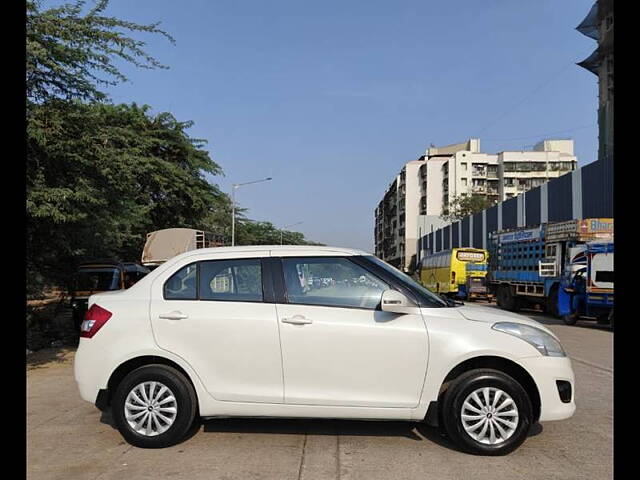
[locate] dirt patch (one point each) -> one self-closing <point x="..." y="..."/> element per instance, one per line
<point x="50" y="357"/>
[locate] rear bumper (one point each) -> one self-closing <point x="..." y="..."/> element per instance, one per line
<point x="546" y="372"/>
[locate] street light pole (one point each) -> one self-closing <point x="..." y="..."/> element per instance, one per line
<point x="233" y="206"/>
<point x="287" y="226"/>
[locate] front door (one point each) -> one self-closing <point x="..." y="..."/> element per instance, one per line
<point x="212" y="312"/>
<point x="338" y="348"/>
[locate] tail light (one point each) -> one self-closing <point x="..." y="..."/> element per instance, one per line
<point x="453" y="277"/>
<point x="94" y="319"/>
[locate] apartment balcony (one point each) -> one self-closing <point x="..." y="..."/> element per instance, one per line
<point x="478" y="189"/>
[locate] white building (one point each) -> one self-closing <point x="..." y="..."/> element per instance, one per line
<point x="524" y="170"/>
<point x="420" y="193"/>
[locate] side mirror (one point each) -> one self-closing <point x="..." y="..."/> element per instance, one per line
<point x="396" y="302"/>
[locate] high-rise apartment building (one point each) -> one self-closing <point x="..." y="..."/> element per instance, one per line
<point x="424" y="188"/>
<point x="598" y="25"/>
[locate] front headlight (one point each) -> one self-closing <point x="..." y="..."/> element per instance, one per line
<point x="541" y="340"/>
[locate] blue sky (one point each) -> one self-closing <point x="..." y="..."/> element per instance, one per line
<point x="332" y="97"/>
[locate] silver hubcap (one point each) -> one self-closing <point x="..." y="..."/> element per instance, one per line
<point x="150" y="408"/>
<point x="489" y="415"/>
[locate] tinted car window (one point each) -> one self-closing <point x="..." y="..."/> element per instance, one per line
<point x="331" y="281"/>
<point x="231" y="280"/>
<point x="182" y="284"/>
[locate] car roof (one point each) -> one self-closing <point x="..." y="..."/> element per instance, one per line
<point x="283" y="249"/>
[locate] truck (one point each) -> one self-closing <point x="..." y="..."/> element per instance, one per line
<point x="162" y="245"/>
<point x="527" y="264"/>
<point x="586" y="289"/>
<point x="459" y="273"/>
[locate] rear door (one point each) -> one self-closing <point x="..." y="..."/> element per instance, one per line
<point x="217" y="313"/>
<point x="338" y="347"/>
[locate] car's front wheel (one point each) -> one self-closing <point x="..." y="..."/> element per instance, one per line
<point x="154" y="406"/>
<point x="486" y="412"/>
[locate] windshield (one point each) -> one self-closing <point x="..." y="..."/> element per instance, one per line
<point x="98" y="279"/>
<point x="411" y="283"/>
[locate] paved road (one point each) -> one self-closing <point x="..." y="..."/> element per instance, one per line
<point x="66" y="438"/>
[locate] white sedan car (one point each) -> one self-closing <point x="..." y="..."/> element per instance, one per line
<point x="241" y="331"/>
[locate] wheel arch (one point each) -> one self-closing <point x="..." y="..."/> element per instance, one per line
<point x="136" y="362"/>
<point x="502" y="364"/>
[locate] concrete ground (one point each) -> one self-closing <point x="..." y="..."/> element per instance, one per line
<point x="68" y="438"/>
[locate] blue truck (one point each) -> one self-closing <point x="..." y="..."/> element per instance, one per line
<point x="587" y="287"/>
<point x="527" y="264"/>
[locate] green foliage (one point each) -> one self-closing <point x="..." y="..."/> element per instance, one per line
<point x="464" y="205"/>
<point x="100" y="176"/>
<point x="70" y="55"/>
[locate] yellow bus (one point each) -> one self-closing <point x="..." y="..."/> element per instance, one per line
<point x="459" y="272"/>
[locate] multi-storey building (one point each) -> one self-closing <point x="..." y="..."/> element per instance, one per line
<point x="396" y="220"/>
<point x="521" y="171"/>
<point x="421" y="192"/>
<point x="598" y="25"/>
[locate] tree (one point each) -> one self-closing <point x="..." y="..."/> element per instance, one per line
<point x="100" y="176"/>
<point x="464" y="205"/>
<point x="70" y="55"/>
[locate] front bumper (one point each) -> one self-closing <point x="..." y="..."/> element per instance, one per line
<point x="546" y="371"/>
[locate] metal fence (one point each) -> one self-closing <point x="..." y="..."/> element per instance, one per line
<point x="587" y="192"/>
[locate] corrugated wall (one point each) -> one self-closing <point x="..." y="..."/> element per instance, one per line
<point x="510" y="213"/>
<point x="532" y="206"/>
<point x="559" y="199"/>
<point x="455" y="237"/>
<point x="597" y="202"/>
<point x="597" y="179"/>
<point x="464" y="241"/>
<point x="477" y="230"/>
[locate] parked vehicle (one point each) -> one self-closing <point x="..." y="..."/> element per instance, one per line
<point x="101" y="276"/>
<point x="459" y="272"/>
<point x="587" y="284"/>
<point x="232" y="331"/>
<point x="526" y="264"/>
<point x="162" y="245"/>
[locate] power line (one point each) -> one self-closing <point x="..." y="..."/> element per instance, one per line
<point x="546" y="82"/>
<point x="540" y="135"/>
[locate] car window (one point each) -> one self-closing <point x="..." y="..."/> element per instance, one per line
<point x="231" y="280"/>
<point x="332" y="282"/>
<point x="182" y="284"/>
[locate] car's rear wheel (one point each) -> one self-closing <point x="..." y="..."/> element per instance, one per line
<point x="154" y="406"/>
<point x="487" y="412"/>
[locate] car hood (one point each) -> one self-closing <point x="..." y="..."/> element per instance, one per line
<point x="493" y="315"/>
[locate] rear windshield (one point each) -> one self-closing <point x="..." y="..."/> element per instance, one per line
<point x="99" y="279"/>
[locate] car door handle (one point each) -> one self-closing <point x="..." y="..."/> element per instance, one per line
<point x="174" y="315"/>
<point x="297" y="320"/>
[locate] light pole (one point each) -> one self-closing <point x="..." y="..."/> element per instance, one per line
<point x="287" y="226"/>
<point x="233" y="206"/>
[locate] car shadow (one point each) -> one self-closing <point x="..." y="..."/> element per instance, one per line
<point x="416" y="431"/>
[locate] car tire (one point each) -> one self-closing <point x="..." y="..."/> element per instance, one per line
<point x="164" y="397"/>
<point x="470" y="433"/>
<point x="570" y="319"/>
